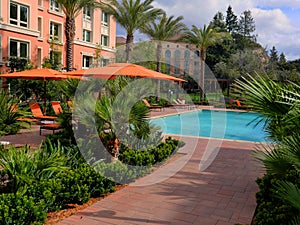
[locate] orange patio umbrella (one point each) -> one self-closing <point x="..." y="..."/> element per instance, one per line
<point x="122" y="69"/>
<point x="43" y="74"/>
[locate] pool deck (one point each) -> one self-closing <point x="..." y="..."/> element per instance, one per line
<point x="222" y="194"/>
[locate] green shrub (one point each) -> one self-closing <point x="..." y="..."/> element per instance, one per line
<point x="272" y="210"/>
<point x="10" y="113"/>
<point x="24" y="167"/>
<point x="119" y="172"/>
<point x="21" y="210"/>
<point x="73" y="186"/>
<point x="148" y="158"/>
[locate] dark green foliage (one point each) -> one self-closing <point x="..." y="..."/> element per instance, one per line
<point x="231" y="21"/>
<point x="21" y="210"/>
<point x="154" y="156"/>
<point x="19" y="63"/>
<point x="120" y="172"/>
<point x="73" y="186"/>
<point x="137" y="158"/>
<point x="272" y="210"/>
<point x="10" y="113"/>
<point x="273" y="55"/>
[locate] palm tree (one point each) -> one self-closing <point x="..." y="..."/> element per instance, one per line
<point x="72" y="8"/>
<point x="279" y="104"/>
<point x="132" y="15"/>
<point x="204" y="38"/>
<point x="163" y="30"/>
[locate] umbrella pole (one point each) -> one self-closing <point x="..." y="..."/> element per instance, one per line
<point x="45" y="98"/>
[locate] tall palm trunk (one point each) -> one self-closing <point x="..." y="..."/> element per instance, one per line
<point x="158" y="67"/>
<point x="129" y="42"/>
<point x="202" y="73"/>
<point x="70" y="34"/>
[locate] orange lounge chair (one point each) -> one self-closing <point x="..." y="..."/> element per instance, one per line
<point x="57" y="107"/>
<point x="152" y="106"/>
<point x="50" y="126"/>
<point x="238" y="103"/>
<point x="38" y="114"/>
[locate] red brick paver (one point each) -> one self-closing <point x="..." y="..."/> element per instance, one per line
<point x="222" y="194"/>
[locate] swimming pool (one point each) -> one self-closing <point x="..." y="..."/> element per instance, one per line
<point x="215" y="124"/>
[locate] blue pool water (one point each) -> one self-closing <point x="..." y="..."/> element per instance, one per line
<point x="215" y="124"/>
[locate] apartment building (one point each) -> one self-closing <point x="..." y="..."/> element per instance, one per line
<point x="35" y="30"/>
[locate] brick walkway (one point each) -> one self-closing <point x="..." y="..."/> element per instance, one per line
<point x="223" y="194"/>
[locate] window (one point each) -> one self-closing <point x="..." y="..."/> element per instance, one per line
<point x="104" y="40"/>
<point x="0" y="49"/>
<point x="40" y="2"/>
<point x="18" y="15"/>
<point x="87" y="13"/>
<point x="40" y="26"/>
<point x="186" y="61"/>
<point x="196" y="67"/>
<point x="86" y="61"/>
<point x="177" y="62"/>
<point x="18" y="48"/>
<point x="104" y="19"/>
<point x="55" y="31"/>
<point x="105" y="62"/>
<point x="55" y="57"/>
<point x="168" y="58"/>
<point x="54" y="6"/>
<point x="86" y="35"/>
<point x="197" y="54"/>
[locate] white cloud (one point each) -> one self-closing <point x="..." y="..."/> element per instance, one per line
<point x="277" y="3"/>
<point x="274" y="29"/>
<point x="273" y="26"/>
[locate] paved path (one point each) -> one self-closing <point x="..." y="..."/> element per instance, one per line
<point x="223" y="194"/>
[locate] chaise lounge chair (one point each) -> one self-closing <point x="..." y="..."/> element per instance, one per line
<point x="152" y="106"/>
<point x="38" y="114"/>
<point x="179" y="103"/>
<point x="57" y="107"/>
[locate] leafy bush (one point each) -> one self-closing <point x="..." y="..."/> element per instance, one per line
<point x="272" y="210"/>
<point x="24" y="167"/>
<point x="10" y="113"/>
<point x="21" y="210"/>
<point x="73" y="186"/>
<point x="119" y="172"/>
<point x="153" y="156"/>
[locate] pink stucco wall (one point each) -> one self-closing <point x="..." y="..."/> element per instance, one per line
<point x="36" y="41"/>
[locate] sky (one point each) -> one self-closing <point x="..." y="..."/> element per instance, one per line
<point x="277" y="22"/>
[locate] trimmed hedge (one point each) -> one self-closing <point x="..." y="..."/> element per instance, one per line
<point x="154" y="156"/>
<point x="21" y="210"/>
<point x="73" y="186"/>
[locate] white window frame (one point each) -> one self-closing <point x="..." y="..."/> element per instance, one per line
<point x="105" y="23"/>
<point x="54" y="6"/>
<point x="59" y="33"/>
<point x="85" y="35"/>
<point x="18" y="47"/>
<point x="102" y="40"/>
<point x="18" y="20"/>
<point x="85" y="11"/>
<point x="84" y="66"/>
